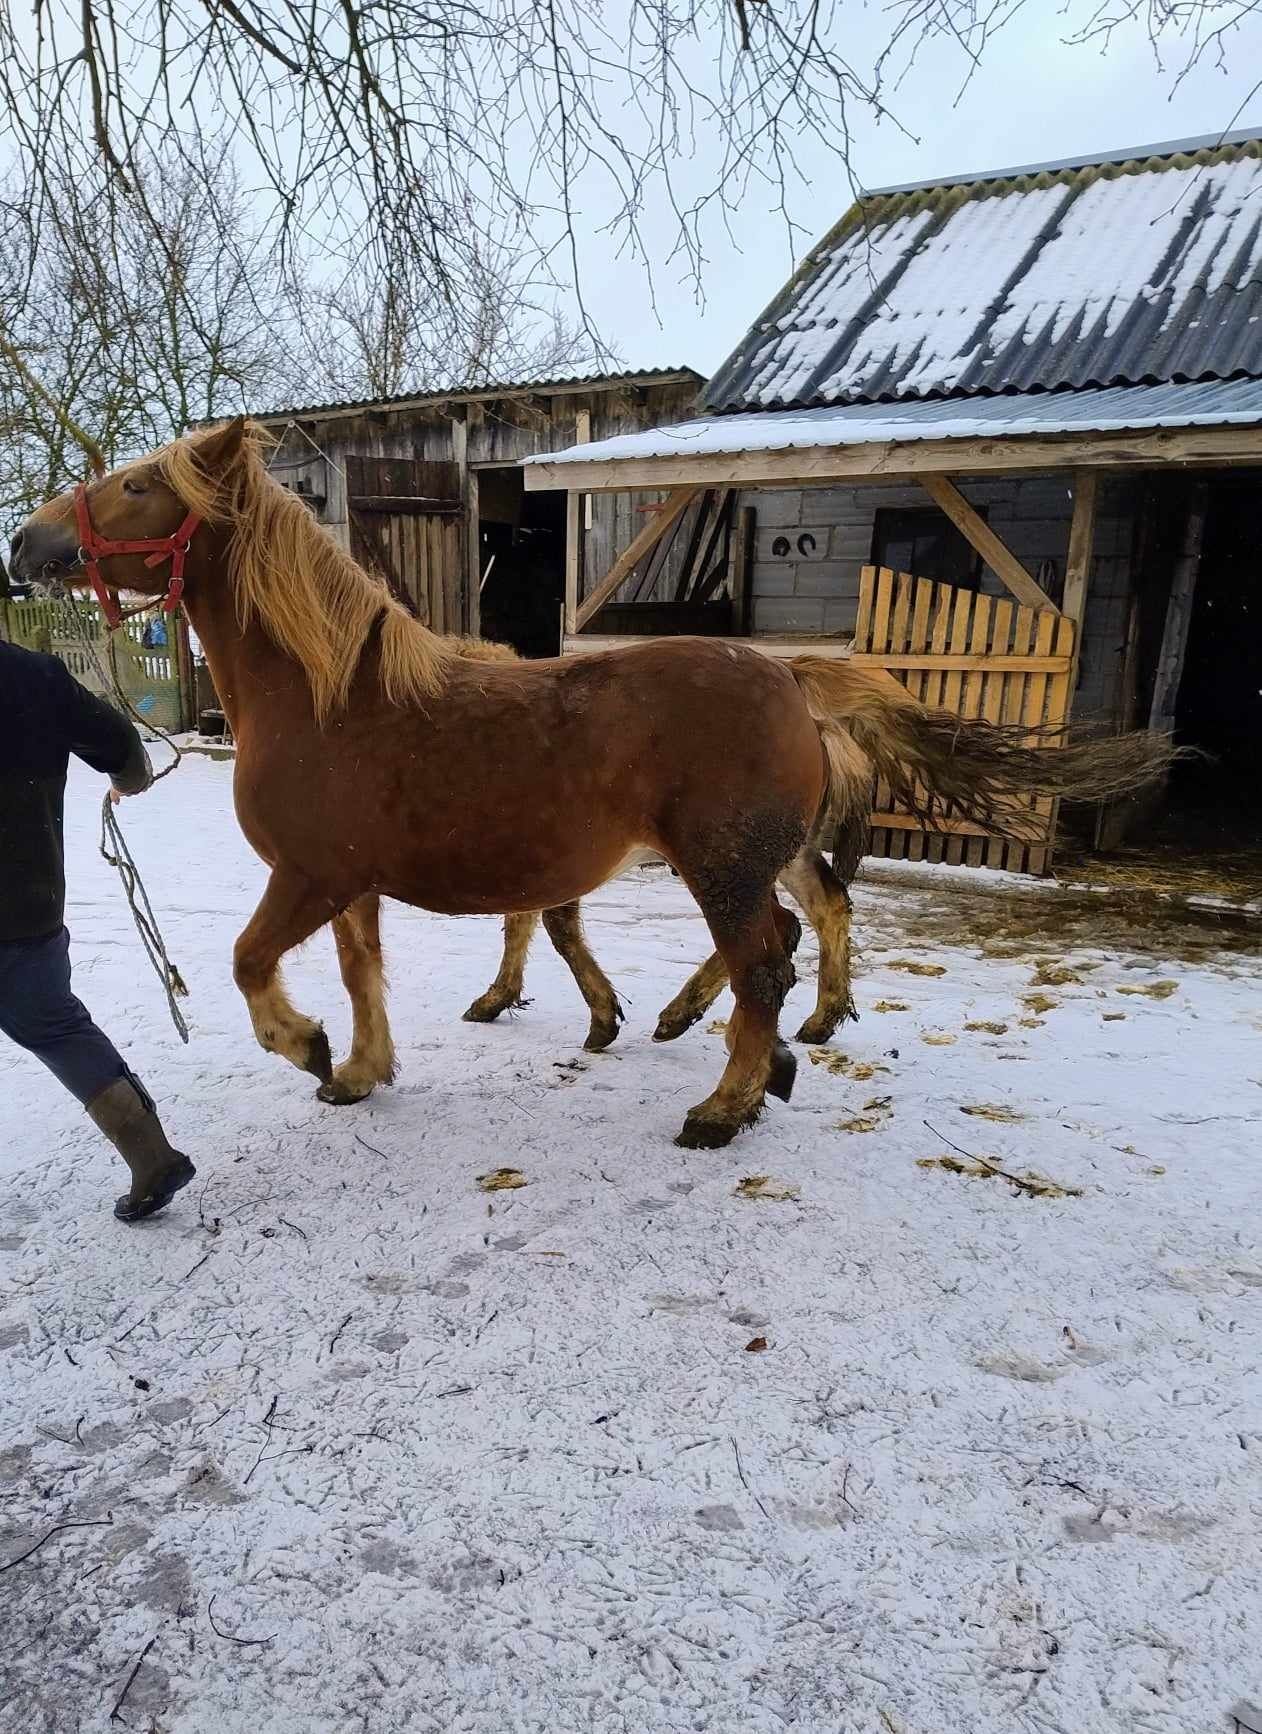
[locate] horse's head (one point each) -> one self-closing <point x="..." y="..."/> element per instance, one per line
<point x="135" y="502"/>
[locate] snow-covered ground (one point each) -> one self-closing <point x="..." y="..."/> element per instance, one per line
<point x="365" y="1447"/>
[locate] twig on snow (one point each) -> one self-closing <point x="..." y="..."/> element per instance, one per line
<point x="118" y="1702"/>
<point x="79" y="1523"/>
<point x="267" y="1425"/>
<point x="333" y="1340"/>
<point x="195" y="1269"/>
<point x="740" y="1470"/>
<point x="372" y="1147"/>
<point x="231" y="1636"/>
<point x="1032" y="1188"/>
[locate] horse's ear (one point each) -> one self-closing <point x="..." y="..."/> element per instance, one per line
<point x="218" y="449"/>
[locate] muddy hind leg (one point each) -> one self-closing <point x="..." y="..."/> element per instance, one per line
<point x="706" y="983"/>
<point x="565" y="929"/>
<point x="826" y="905"/>
<point x="370" y="1062"/>
<point x="755" y="951"/>
<point x="289" y="913"/>
<point x="505" y="992"/>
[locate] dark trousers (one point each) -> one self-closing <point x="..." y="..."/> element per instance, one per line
<point x="40" y="1013"/>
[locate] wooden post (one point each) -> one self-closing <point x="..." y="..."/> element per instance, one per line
<point x="583" y="437"/>
<point x="1174" y="640"/>
<point x="578" y="520"/>
<point x="471" y="612"/>
<point x="1081" y="543"/>
<point x="742" y="568"/>
<point x="677" y="502"/>
<point x="978" y="533"/>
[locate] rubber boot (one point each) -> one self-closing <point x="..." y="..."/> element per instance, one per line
<point x="126" y="1115"/>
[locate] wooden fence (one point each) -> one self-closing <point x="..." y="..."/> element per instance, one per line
<point x="156" y="677"/>
<point x="980" y="656"/>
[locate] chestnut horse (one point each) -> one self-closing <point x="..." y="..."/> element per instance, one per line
<point x="373" y="761"/>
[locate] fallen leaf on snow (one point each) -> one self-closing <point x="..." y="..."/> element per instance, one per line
<point x="755" y="1345"/>
<point x="1156" y="1170"/>
<point x="1114" y="1017"/>
<point x="502" y="1180"/>
<point x="987" y="1028"/>
<point x="717" y="1028"/>
<point x="910" y="967"/>
<point x="1032" y="1023"/>
<point x="1031" y="1184"/>
<point x="860" y="1123"/>
<point x="992" y="1111"/>
<point x="841" y="1066"/>
<point x="1039" y="1002"/>
<point x="890" y="1005"/>
<point x="877" y="1104"/>
<point x="766" y="1186"/>
<point x="1055" y="975"/>
<point x="938" y="1038"/>
<point x="1153" y="990"/>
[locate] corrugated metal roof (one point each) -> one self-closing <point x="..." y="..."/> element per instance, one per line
<point x="1094" y="275"/>
<point x="1116" y="409"/>
<point x="480" y="393"/>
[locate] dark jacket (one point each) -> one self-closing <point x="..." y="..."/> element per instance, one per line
<point x="45" y="715"/>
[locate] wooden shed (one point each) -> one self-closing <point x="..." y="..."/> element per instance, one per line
<point x="428" y="490"/>
<point x="1002" y="436"/>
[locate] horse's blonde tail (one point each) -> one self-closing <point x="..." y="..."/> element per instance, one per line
<point x="932" y="759"/>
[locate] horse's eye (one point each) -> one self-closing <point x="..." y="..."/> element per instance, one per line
<point x="135" y="485"/>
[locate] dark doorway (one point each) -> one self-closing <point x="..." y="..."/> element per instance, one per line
<point x="923" y="541"/>
<point x="521" y="541"/>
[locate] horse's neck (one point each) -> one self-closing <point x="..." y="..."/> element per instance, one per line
<point x="242" y="659"/>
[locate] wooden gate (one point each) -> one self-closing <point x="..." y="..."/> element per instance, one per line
<point x="406" y="519"/>
<point x="980" y="656"/>
<point x="151" y="655"/>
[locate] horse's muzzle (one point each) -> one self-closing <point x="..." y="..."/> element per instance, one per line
<point x="41" y="552"/>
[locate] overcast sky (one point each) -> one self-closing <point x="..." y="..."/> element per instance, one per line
<point x="1035" y="99"/>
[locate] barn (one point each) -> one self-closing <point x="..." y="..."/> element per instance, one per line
<point x="999" y="434"/>
<point x="428" y="490"/>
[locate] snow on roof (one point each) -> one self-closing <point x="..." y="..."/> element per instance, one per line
<point x="1114" y="410"/>
<point x="1090" y="275"/>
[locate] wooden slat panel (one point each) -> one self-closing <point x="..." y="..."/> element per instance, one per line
<point x="1014" y="711"/>
<point x="993" y="702"/>
<point x="881" y="610"/>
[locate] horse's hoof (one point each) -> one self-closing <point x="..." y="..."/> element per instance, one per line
<point x="699" y="1132"/>
<point x="604" y="1031"/>
<point x="340" y="1095"/>
<point x="817" y="1029"/>
<point x="784" y="1069"/>
<point x="672" y="1025"/>
<point x="318" y="1059"/>
<point x="487" y="1007"/>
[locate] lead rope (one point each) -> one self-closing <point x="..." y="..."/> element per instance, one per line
<point x="113" y="844"/>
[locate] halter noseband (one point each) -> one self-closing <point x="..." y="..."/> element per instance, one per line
<point x="93" y="549"/>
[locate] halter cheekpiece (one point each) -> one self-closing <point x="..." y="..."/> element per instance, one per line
<point x="93" y="549"/>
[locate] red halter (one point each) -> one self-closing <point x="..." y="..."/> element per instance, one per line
<point x="93" y="549"/>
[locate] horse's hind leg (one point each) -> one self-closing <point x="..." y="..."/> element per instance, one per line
<point x="505" y="992"/>
<point x="755" y="950"/>
<point x="289" y="912"/>
<point x="826" y="905"/>
<point x="565" y="930"/>
<point x="706" y="983"/>
<point x="370" y="1062"/>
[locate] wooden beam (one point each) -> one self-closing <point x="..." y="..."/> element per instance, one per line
<point x="676" y="504"/>
<point x="834" y="648"/>
<point x="741" y="567"/>
<point x="891" y="460"/>
<point x="406" y="505"/>
<point x="1081" y="545"/>
<point x="578" y="520"/>
<point x="978" y="533"/>
<point x="1174" y="640"/>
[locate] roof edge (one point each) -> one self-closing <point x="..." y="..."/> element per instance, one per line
<point x="644" y="377"/>
<point x="1128" y="154"/>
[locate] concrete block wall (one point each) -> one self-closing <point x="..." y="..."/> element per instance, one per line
<point x="811" y="544"/>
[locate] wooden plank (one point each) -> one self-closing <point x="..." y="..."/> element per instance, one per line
<point x="904" y="585"/>
<point x="881" y="609"/>
<point x="953" y="682"/>
<point x="1046" y="632"/>
<point x="947" y="827"/>
<point x="863" y="621"/>
<point x="1174" y="638"/>
<point x="406" y="505"/>
<point x="935" y="683"/>
<point x="1059" y="701"/>
<point x="1081" y="544"/>
<point x="1009" y="663"/>
<point x="971" y="700"/>
<point x="836" y="648"/>
<point x="573" y="562"/>
<point x="1014" y="710"/>
<point x="741" y="568"/>
<point x="676" y="504"/>
<point x="993" y="703"/>
<point x="978" y="533"/>
<point x="891" y="460"/>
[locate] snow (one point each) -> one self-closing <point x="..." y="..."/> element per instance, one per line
<point x="495" y="1463"/>
<point x="1114" y="409"/>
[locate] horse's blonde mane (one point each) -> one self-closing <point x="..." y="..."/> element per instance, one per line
<point x="304" y="589"/>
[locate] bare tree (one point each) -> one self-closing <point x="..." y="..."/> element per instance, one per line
<point x="92" y="336"/>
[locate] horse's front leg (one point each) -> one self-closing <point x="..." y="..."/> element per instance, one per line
<point x="290" y="911"/>
<point x="370" y="1062"/>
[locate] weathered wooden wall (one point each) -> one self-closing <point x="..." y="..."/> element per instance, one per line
<point x="476" y="433"/>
